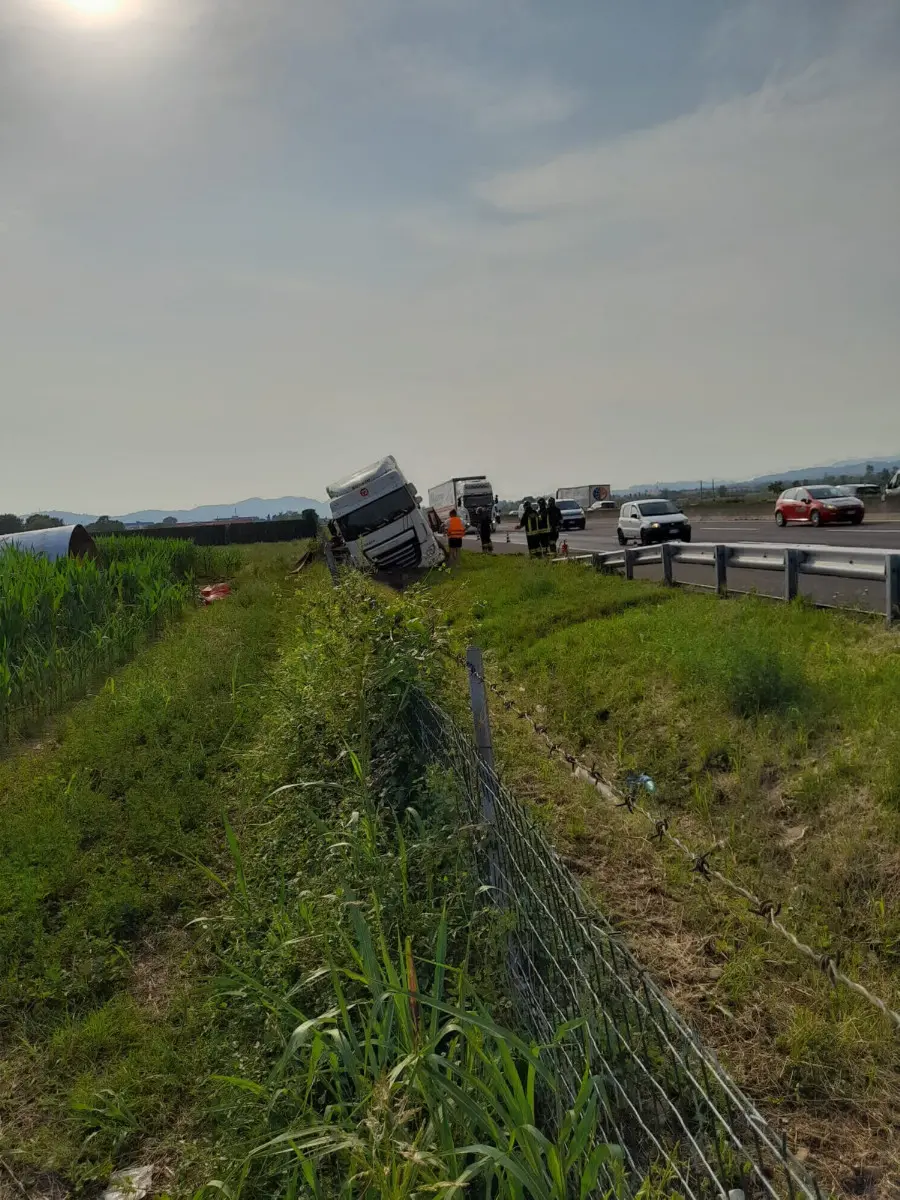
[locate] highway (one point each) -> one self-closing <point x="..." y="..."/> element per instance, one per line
<point x="882" y="534"/>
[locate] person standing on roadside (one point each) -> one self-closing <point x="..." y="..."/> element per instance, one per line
<point x="485" y="529"/>
<point x="529" y="523"/>
<point x="455" y="533"/>
<point x="555" y="518"/>
<point x="544" y="526"/>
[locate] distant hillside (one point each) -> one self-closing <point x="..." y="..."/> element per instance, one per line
<point x="853" y="466"/>
<point x="254" y="507"/>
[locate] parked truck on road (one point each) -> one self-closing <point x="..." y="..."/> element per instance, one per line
<point x="465" y="493"/>
<point x="377" y="512"/>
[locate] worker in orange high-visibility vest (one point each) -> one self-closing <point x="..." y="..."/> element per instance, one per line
<point x="455" y="534"/>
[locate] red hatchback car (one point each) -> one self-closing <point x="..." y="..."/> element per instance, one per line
<point x="818" y="505"/>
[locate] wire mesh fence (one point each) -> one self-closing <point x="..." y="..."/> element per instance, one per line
<point x="666" y="1101"/>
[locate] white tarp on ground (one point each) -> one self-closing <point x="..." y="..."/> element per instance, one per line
<point x="55" y="543"/>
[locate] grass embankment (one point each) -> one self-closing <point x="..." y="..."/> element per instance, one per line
<point x="63" y="622"/>
<point x="239" y="932"/>
<point x="772" y="733"/>
<point x="99" y="831"/>
<point x="356" y="963"/>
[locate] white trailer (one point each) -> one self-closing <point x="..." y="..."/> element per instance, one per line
<point x="586" y="494"/>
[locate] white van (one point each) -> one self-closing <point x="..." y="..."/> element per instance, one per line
<point x="377" y="512"/>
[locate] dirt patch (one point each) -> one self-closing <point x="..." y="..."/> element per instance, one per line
<point x="160" y="970"/>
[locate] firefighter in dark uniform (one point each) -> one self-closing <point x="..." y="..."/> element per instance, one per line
<point x="544" y="526"/>
<point x="529" y="523"/>
<point x="555" y="517"/>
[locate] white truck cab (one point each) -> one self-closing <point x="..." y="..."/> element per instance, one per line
<point x="377" y="512"/>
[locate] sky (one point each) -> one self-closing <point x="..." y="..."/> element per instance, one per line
<point x="246" y="248"/>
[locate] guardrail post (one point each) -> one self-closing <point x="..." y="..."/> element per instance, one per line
<point x="721" y="553"/>
<point x="630" y="556"/>
<point x="668" y="574"/>
<point x="791" y="574"/>
<point x="891" y="588"/>
<point x="596" y="561"/>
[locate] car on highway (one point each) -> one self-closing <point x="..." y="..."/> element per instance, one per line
<point x="860" y="489"/>
<point x="818" y="504"/>
<point x="648" y="521"/>
<point x="572" y="514"/>
<point x="603" y="506"/>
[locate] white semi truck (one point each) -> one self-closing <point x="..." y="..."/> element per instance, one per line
<point x="378" y="515"/>
<point x="465" y="493"/>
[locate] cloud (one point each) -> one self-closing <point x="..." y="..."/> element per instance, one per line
<point x="492" y="102"/>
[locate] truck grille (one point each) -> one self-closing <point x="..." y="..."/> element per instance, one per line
<point x="400" y="557"/>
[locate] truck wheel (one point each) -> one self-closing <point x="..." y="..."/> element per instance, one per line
<point x="621" y="536"/>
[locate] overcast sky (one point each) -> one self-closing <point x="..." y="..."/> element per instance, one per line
<point x="249" y="245"/>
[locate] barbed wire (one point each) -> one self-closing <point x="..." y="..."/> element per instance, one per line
<point x="766" y="910"/>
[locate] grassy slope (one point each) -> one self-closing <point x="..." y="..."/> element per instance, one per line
<point x="152" y="1007"/>
<point x="99" y="830"/>
<point x="775" y="731"/>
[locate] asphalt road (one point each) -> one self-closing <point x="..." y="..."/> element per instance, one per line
<point x="863" y="594"/>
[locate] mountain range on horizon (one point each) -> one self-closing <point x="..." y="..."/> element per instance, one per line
<point x="256" y="506"/>
<point x="260" y="508"/>
<point x="850" y="466"/>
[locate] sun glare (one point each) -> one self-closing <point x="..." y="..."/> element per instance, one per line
<point x="97" y="10"/>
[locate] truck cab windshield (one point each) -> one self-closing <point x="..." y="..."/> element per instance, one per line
<point x="377" y="514"/>
<point x="475" y="500"/>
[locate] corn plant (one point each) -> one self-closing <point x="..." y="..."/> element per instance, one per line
<point x="61" y="622"/>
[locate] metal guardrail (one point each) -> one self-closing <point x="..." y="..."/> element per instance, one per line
<point x="838" y="562"/>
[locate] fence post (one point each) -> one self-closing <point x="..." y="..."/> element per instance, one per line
<point x="332" y="565"/>
<point x="791" y="574"/>
<point x="721" y="553"/>
<point x="630" y="556"/>
<point x="483" y="745"/>
<point x="668" y="574"/>
<point x="891" y="588"/>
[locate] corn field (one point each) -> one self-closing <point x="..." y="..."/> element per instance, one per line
<point x="63" y="622"/>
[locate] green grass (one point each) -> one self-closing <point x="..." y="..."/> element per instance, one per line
<point x="239" y="930"/>
<point x="62" y="622"/>
<point x="354" y="960"/>
<point x="773" y="731"/>
<point x="101" y="831"/>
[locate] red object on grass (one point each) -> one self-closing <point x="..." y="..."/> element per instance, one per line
<point x="215" y="591"/>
